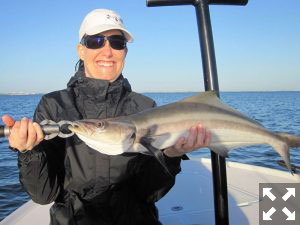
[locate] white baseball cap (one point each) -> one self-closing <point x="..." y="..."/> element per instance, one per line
<point x="100" y="20"/>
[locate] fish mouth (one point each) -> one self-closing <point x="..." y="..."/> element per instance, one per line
<point x="73" y="127"/>
<point x="77" y="127"/>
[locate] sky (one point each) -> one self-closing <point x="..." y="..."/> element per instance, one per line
<point x="257" y="46"/>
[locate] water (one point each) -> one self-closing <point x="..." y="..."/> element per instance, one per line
<point x="278" y="111"/>
<point x="11" y="193"/>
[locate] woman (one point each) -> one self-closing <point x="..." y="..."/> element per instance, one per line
<point x="89" y="187"/>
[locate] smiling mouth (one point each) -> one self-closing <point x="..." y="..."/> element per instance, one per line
<point x="105" y="63"/>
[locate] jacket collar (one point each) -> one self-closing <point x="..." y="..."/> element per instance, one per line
<point x="96" y="88"/>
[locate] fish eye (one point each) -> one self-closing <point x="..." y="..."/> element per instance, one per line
<point x="100" y="124"/>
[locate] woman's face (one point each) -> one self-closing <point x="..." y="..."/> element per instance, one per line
<point x="103" y="63"/>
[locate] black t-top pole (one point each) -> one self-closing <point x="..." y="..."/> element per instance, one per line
<point x="210" y="83"/>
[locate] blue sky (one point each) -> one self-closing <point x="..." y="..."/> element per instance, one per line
<point x="257" y="46"/>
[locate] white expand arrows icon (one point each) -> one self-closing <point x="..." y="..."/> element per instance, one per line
<point x="267" y="192"/>
<point x="267" y="215"/>
<point x="290" y="192"/>
<point x="291" y="216"/>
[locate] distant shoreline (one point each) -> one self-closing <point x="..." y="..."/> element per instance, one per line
<point x="155" y="92"/>
<point x="20" y="94"/>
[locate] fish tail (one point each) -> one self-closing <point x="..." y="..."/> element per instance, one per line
<point x="282" y="148"/>
<point x="291" y="140"/>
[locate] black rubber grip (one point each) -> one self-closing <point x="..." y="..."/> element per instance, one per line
<point x="47" y="129"/>
<point x="151" y="3"/>
<point x="2" y="134"/>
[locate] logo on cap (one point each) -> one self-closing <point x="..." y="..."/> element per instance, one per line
<point x="114" y="19"/>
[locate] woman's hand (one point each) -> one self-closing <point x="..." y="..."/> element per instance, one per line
<point x="198" y="137"/>
<point x="24" y="135"/>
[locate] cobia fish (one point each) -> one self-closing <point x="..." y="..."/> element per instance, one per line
<point x="162" y="126"/>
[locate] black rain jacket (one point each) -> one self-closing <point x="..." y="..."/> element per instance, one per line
<point x="89" y="187"/>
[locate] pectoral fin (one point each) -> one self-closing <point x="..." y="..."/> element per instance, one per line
<point x="157" y="153"/>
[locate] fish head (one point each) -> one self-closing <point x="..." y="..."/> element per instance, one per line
<point x="109" y="136"/>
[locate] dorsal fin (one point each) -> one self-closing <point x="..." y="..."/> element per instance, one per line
<point x="211" y="98"/>
<point x="205" y="97"/>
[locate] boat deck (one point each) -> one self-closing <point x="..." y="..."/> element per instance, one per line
<point x="190" y="202"/>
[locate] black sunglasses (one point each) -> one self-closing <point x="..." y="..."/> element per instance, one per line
<point x="117" y="42"/>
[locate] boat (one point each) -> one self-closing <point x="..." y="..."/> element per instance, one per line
<point x="207" y="191"/>
<point x="190" y="201"/>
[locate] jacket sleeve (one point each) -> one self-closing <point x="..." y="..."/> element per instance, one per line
<point x="153" y="182"/>
<point x="41" y="170"/>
